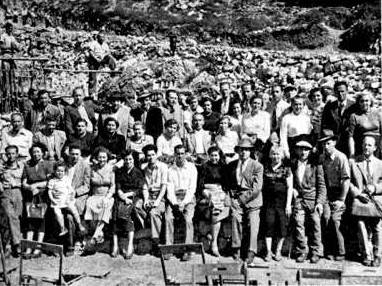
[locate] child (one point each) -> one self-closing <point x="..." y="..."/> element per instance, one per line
<point x="61" y="194"/>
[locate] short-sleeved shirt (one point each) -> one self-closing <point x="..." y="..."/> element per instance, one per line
<point x="23" y="139"/>
<point x="156" y="177"/>
<point x="12" y="175"/>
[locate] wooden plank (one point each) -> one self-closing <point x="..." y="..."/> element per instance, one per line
<point x="80" y="71"/>
<point x="36" y="59"/>
<point x="41" y="245"/>
<point x="181" y="248"/>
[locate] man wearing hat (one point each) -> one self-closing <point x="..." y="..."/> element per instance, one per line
<point x="8" y="43"/>
<point x="310" y="196"/>
<point x="337" y="179"/>
<point x="366" y="189"/>
<point x="245" y="181"/>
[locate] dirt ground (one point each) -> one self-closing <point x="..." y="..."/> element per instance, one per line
<point x="146" y="270"/>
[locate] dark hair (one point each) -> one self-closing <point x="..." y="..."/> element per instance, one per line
<point x="149" y="147"/>
<point x="257" y="96"/>
<point x="205" y="99"/>
<point x="101" y="149"/>
<point x="293" y="100"/>
<point x="77" y="88"/>
<point x="12" y="147"/>
<point x="339" y="83"/>
<point x="74" y="146"/>
<point x="81" y="120"/>
<point x="169" y="91"/>
<point x="128" y="152"/>
<point x="17" y="114"/>
<point x="289" y="88"/>
<point x="313" y="91"/>
<point x="51" y="118"/>
<point x="170" y="122"/>
<point x="109" y="119"/>
<point x="41" y="92"/>
<point x="40" y="145"/>
<point x="215" y="148"/>
<point x="247" y="83"/>
<point x="179" y="146"/>
<point x="58" y="164"/>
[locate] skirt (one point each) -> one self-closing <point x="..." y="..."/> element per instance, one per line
<point x="98" y="209"/>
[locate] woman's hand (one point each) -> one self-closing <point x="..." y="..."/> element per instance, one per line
<point x="288" y="211"/>
<point x="34" y="190"/>
<point x="128" y="201"/>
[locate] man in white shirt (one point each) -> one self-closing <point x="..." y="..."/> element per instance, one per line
<point x="18" y="136"/>
<point x="154" y="191"/>
<point x="181" y="187"/>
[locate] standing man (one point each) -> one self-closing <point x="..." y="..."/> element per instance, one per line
<point x="337" y="179"/>
<point x="18" y="136"/>
<point x="245" y="181"/>
<point x="79" y="109"/>
<point x="366" y="189"/>
<point x="224" y="104"/>
<point x="278" y="107"/>
<point x="181" y="187"/>
<point x="154" y="191"/>
<point x="336" y="114"/>
<point x="10" y="194"/>
<point x="310" y="196"/>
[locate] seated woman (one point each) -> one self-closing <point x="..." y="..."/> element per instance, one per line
<point x="256" y="124"/>
<point x="112" y="141"/>
<point x="82" y="138"/>
<point x="35" y="177"/>
<point x="129" y="186"/>
<point x="277" y="192"/>
<point x="138" y="140"/>
<point x="214" y="193"/>
<point x="102" y="188"/>
<point x="226" y="139"/>
<point x="168" y="140"/>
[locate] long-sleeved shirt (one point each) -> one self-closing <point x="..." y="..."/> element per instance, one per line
<point x="182" y="178"/>
<point x="293" y="125"/>
<point x="23" y="139"/>
<point x="259" y="124"/>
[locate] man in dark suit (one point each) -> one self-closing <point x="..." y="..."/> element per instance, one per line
<point x="224" y="104"/>
<point x="366" y="185"/>
<point x="79" y="109"/>
<point x="245" y="181"/>
<point x="310" y="196"/>
<point x="336" y="114"/>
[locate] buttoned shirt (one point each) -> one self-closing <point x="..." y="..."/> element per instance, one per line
<point x="227" y="142"/>
<point x="239" y="171"/>
<point x="84" y="115"/>
<point x="12" y="175"/>
<point x="301" y="170"/>
<point x="166" y="146"/>
<point x="155" y="177"/>
<point x="336" y="169"/>
<point x="199" y="147"/>
<point x="293" y="125"/>
<point x="23" y="139"/>
<point x="182" y="178"/>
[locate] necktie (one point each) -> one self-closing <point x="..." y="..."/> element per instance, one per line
<point x="368" y="172"/>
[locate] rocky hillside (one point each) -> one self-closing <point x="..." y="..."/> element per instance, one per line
<point x="244" y="23"/>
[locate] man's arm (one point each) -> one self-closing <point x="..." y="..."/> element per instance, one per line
<point x="320" y="186"/>
<point x="68" y="121"/>
<point x="345" y="178"/>
<point x="190" y="192"/>
<point x="84" y="188"/>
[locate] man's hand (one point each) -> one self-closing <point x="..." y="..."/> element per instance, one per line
<point x="319" y="209"/>
<point x="288" y="211"/>
<point x="34" y="190"/>
<point x="339" y="204"/>
<point x="370" y="189"/>
<point x="156" y="203"/>
<point x="128" y="201"/>
<point x="363" y="198"/>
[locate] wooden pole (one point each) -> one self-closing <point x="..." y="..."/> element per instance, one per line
<point x="5" y="274"/>
<point x="25" y="59"/>
<point x="80" y="71"/>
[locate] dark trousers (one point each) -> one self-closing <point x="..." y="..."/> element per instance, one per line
<point x="333" y="238"/>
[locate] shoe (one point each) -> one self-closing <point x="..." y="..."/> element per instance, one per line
<point x="69" y="253"/>
<point x="27" y="254"/>
<point x="16" y="251"/>
<point x="127" y="256"/>
<point x="36" y="253"/>
<point x="301" y="258"/>
<point x="367" y="262"/>
<point x="186" y="257"/>
<point x="114" y="253"/>
<point x="63" y="232"/>
<point x="278" y="257"/>
<point x="215" y="252"/>
<point x="339" y="258"/>
<point x="314" y="259"/>
<point x="167" y="256"/>
<point x="250" y="257"/>
<point x="376" y="261"/>
<point x="236" y="254"/>
<point x="329" y="257"/>
<point x="268" y="257"/>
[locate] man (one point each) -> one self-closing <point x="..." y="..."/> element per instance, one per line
<point x="199" y="140"/>
<point x="18" y="136"/>
<point x="181" y="187"/>
<point x="366" y="187"/>
<point x="336" y="114"/>
<point x="79" y="109"/>
<point x="52" y="138"/>
<point x="278" y="106"/>
<point x="173" y="110"/>
<point x="211" y="118"/>
<point x="224" y="104"/>
<point x="81" y="138"/>
<point x="245" y="181"/>
<point x="8" y="43"/>
<point x="337" y="179"/>
<point x="310" y="196"/>
<point x="35" y="118"/>
<point x="79" y="174"/>
<point x="10" y="194"/>
<point x="246" y="94"/>
<point x="99" y="55"/>
<point x="294" y="124"/>
<point x="154" y="191"/>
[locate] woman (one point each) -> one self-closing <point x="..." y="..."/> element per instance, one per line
<point x="214" y="192"/>
<point x="169" y="139"/>
<point x="129" y="184"/>
<point x="316" y="109"/>
<point x="226" y="140"/>
<point x="35" y="177"/>
<point x="102" y="188"/>
<point x="236" y="117"/>
<point x="138" y="140"/>
<point x="111" y="140"/>
<point x="278" y="192"/>
<point x="365" y="120"/>
<point x="256" y="124"/>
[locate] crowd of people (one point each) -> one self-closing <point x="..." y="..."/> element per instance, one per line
<point x="276" y="157"/>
